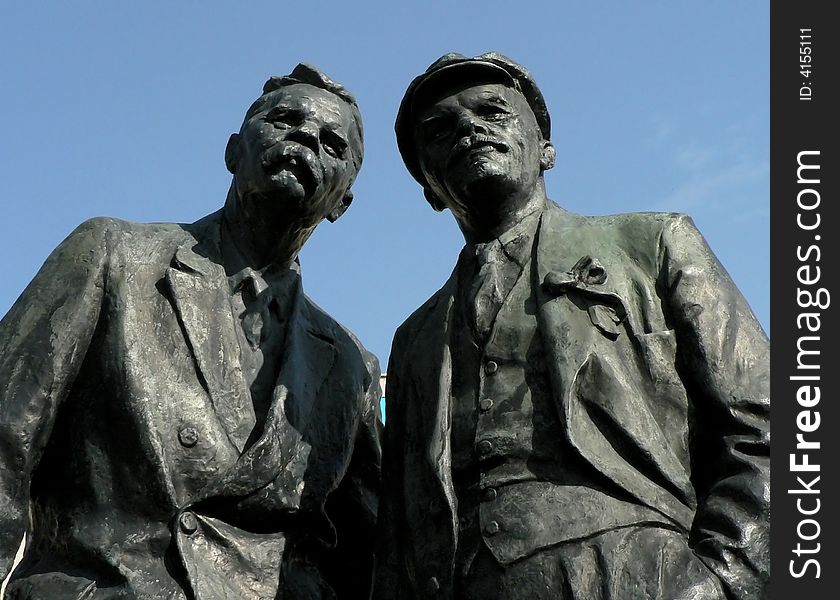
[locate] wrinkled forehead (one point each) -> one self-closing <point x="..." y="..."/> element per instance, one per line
<point x="473" y="95"/>
<point x="333" y="110"/>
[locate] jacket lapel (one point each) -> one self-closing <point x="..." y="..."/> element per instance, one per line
<point x="567" y="338"/>
<point x="580" y="324"/>
<point x="428" y="358"/>
<point x="200" y="294"/>
<point x="431" y="366"/>
<point x="308" y="356"/>
<point x="280" y="456"/>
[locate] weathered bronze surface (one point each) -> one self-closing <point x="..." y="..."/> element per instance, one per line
<point x="183" y="421"/>
<point x="582" y="410"/>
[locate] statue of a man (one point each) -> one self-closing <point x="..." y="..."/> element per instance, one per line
<point x="582" y="410"/>
<point x="182" y="420"/>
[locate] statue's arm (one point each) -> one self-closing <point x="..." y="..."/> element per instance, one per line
<point x="354" y="505"/>
<point x="388" y="579"/>
<point x="43" y="340"/>
<point x="724" y="357"/>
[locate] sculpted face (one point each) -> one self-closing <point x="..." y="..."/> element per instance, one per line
<point x="479" y="147"/>
<point x="297" y="154"/>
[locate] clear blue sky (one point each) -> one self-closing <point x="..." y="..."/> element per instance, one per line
<point x="124" y="109"/>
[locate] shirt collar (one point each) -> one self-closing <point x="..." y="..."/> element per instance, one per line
<point x="282" y="283"/>
<point x="517" y="241"/>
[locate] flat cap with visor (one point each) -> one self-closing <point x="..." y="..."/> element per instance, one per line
<point x="455" y="70"/>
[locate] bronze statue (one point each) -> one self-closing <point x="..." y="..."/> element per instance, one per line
<point x="582" y="410"/>
<point x="183" y="420"/>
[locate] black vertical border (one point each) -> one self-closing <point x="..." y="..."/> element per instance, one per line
<point x="804" y="125"/>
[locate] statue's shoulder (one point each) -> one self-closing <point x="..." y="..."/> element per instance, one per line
<point x="121" y="231"/>
<point x="645" y="219"/>
<point x="636" y="237"/>
<point x="350" y="350"/>
<point x="643" y="229"/>
<point x="325" y="324"/>
<point x="631" y="226"/>
<point x="415" y="321"/>
<point x="346" y="342"/>
<point x="615" y="223"/>
<point x="128" y="244"/>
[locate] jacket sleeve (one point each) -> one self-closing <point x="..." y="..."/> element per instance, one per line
<point x="354" y="506"/>
<point x="724" y="358"/>
<point x="43" y="340"/>
<point x="389" y="578"/>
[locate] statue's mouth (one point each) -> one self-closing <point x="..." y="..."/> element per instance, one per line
<point x="477" y="143"/>
<point x="296" y="159"/>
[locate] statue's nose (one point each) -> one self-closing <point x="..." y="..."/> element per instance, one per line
<point x="469" y="124"/>
<point x="306" y="134"/>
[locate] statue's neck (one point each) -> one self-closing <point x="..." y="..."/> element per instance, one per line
<point x="264" y="243"/>
<point x="482" y="226"/>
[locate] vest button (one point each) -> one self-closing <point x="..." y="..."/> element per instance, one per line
<point x="188" y="437"/>
<point x="491" y="367"/>
<point x="485" y="404"/>
<point x="492" y="528"/>
<point x="490" y="494"/>
<point x="484" y="447"/>
<point x="432" y="585"/>
<point x="188" y="523"/>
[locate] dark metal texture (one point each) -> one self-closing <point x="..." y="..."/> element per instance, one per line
<point x="632" y="333"/>
<point x="182" y="420"/>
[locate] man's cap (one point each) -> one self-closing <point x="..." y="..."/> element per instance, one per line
<point x="452" y="70"/>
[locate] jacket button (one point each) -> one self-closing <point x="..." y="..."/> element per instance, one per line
<point x="490" y="494"/>
<point x="188" y="523"/>
<point x="485" y="404"/>
<point x="188" y="437"/>
<point x="491" y="367"/>
<point x="492" y="528"/>
<point x="484" y="447"/>
<point x="432" y="585"/>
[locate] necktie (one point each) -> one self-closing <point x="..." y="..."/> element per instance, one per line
<point x="487" y="294"/>
<point x="256" y="322"/>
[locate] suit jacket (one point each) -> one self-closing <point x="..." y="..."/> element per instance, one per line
<point x="124" y="414"/>
<point x="660" y="374"/>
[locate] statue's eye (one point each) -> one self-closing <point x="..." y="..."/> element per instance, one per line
<point x="493" y="112"/>
<point x="434" y="129"/>
<point x="280" y="117"/>
<point x="333" y="144"/>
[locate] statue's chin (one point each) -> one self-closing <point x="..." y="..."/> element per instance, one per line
<point x="285" y="201"/>
<point x="489" y="186"/>
<point x="287" y="187"/>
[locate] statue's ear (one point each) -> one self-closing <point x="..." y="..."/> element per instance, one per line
<point x="547" y="156"/>
<point x="339" y="210"/>
<point x="433" y="200"/>
<point x="232" y="153"/>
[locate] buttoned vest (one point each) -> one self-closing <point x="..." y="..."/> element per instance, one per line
<point x="519" y="484"/>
